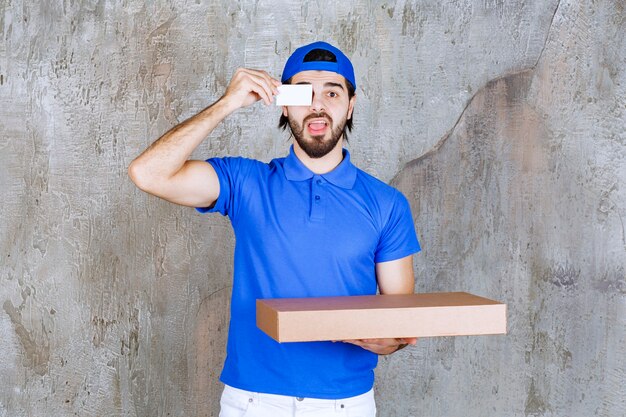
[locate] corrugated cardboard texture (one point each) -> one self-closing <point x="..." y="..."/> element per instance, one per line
<point x="380" y="316"/>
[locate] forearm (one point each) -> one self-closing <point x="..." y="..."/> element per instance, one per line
<point x="167" y="155"/>
<point x="383" y="346"/>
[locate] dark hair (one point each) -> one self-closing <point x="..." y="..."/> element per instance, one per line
<point x="327" y="56"/>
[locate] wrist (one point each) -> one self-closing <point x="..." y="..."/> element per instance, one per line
<point x="225" y="105"/>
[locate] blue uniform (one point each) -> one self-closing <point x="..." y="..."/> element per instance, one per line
<point x="299" y="234"/>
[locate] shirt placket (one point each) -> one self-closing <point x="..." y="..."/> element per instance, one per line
<point x="318" y="198"/>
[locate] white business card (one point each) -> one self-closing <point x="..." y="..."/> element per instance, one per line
<point x="294" y="95"/>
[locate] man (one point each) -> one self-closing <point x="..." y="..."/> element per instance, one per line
<point x="308" y="225"/>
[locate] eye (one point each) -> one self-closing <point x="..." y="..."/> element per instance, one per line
<point x="332" y="94"/>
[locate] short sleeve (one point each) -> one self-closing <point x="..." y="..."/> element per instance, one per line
<point x="398" y="238"/>
<point x="232" y="173"/>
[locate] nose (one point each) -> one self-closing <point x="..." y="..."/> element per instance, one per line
<point x="317" y="104"/>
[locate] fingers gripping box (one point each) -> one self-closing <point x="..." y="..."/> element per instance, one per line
<point x="380" y="316"/>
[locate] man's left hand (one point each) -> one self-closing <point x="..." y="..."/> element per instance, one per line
<point x="383" y="346"/>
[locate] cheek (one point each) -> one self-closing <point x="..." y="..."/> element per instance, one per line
<point x="342" y="108"/>
<point x="295" y="112"/>
<point x="340" y="112"/>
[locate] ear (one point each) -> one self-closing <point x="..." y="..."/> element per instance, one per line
<point x="285" y="112"/>
<point x="351" y="106"/>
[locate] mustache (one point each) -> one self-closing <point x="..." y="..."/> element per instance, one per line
<point x="318" y="116"/>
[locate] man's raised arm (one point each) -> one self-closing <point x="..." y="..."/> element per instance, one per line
<point x="164" y="169"/>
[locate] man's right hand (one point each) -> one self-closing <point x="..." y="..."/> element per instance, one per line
<point x="249" y="86"/>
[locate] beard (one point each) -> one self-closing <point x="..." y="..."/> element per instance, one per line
<point x="316" y="147"/>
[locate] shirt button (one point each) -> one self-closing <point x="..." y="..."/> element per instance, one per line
<point x="319" y="182"/>
<point x="317" y="197"/>
<point x="299" y="398"/>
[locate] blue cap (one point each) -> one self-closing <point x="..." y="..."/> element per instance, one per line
<point x="295" y="63"/>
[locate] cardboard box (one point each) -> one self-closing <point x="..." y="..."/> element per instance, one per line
<point x="380" y="316"/>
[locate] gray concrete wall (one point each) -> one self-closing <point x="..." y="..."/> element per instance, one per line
<point x="503" y="122"/>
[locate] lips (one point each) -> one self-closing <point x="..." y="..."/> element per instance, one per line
<point x="317" y="125"/>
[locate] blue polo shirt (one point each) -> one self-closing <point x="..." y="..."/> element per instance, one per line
<point x="299" y="234"/>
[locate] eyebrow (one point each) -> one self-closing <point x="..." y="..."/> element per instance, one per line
<point x="328" y="84"/>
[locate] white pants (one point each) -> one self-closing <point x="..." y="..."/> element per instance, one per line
<point x="239" y="403"/>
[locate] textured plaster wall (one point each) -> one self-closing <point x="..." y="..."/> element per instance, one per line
<point x="503" y="122"/>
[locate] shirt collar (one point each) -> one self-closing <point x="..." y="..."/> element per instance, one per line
<point x="344" y="174"/>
